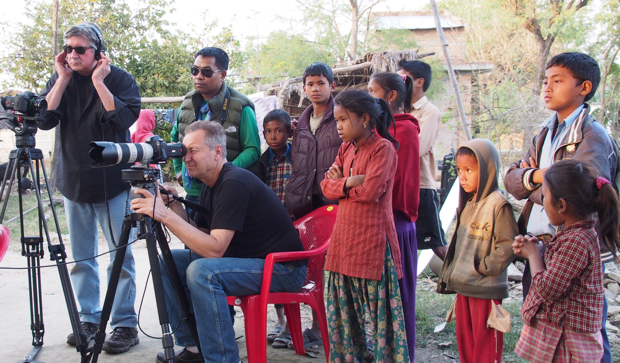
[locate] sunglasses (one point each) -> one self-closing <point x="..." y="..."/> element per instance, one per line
<point x="79" y="50"/>
<point x="206" y="72"/>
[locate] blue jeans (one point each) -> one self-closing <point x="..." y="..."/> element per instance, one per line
<point x="82" y="219"/>
<point x="606" y="348"/>
<point x="207" y="282"/>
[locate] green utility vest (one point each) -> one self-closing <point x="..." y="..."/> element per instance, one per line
<point x="225" y="108"/>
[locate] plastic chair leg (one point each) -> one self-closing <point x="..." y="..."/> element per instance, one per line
<point x="320" y="311"/>
<point x="293" y="318"/>
<point x="255" y="330"/>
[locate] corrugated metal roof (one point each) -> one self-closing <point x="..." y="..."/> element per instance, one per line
<point x="413" y="22"/>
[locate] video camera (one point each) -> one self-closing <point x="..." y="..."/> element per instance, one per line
<point x="22" y="112"/>
<point x="153" y="151"/>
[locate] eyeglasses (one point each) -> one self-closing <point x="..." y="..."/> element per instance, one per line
<point x="79" y="50"/>
<point x="206" y="72"/>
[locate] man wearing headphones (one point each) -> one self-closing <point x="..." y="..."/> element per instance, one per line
<point x="93" y="100"/>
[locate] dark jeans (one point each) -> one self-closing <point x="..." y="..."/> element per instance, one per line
<point x="207" y="282"/>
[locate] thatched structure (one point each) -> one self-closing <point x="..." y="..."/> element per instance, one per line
<point x="356" y="74"/>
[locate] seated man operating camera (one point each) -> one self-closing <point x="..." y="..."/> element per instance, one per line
<point x="242" y="223"/>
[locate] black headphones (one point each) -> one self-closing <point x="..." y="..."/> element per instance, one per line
<point x="100" y="47"/>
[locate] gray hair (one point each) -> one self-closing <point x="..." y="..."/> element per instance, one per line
<point x="89" y="31"/>
<point x="214" y="134"/>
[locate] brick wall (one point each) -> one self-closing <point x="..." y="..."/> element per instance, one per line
<point x="428" y="41"/>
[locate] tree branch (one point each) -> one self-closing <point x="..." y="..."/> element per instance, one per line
<point x="344" y="46"/>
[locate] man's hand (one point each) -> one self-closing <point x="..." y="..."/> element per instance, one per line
<point x="65" y="74"/>
<point x="102" y="69"/>
<point x="334" y="172"/>
<point x="169" y="197"/>
<point x="179" y="178"/>
<point x="62" y="67"/>
<point x="150" y="205"/>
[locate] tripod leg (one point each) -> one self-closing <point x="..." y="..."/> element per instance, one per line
<point x="160" y="298"/>
<point x="32" y="250"/>
<point x="58" y="254"/>
<point x="173" y="274"/>
<point x="10" y="170"/>
<point x="112" y="285"/>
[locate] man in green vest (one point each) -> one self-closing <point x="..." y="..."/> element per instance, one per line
<point x="213" y="100"/>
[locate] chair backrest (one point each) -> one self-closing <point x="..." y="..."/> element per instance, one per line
<point x="315" y="229"/>
<point x="5" y="238"/>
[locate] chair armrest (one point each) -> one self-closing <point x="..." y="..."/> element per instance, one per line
<point x="284" y="256"/>
<point x="298" y="255"/>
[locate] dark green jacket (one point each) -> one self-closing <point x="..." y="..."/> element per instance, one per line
<point x="190" y="109"/>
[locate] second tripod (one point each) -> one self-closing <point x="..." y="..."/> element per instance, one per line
<point x="141" y="176"/>
<point x="32" y="246"/>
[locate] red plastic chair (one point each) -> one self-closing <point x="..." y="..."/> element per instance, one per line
<point x="5" y="238"/>
<point x="315" y="230"/>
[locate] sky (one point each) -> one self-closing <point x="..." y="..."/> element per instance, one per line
<point x="257" y="18"/>
<point x="248" y="17"/>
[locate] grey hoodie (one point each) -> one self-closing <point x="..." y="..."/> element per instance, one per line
<point x="481" y="247"/>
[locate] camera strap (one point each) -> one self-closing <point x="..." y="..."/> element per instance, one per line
<point x="224" y="113"/>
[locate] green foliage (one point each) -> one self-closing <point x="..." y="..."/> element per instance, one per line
<point x="30" y="216"/>
<point x="285" y="55"/>
<point x="318" y="26"/>
<point x="161" y="68"/>
<point x="439" y="79"/>
<point x="605" y="49"/>
<point x="163" y="128"/>
<point x="391" y="39"/>
<point x="135" y="36"/>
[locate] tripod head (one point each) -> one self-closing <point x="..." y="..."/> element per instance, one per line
<point x="141" y="176"/>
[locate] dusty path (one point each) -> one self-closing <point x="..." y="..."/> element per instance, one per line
<point x="16" y="337"/>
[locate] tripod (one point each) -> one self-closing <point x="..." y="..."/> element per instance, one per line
<point x="141" y="176"/>
<point x="32" y="246"/>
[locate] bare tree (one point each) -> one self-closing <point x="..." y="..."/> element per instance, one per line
<point x="544" y="20"/>
<point x="609" y="56"/>
<point x="358" y="8"/>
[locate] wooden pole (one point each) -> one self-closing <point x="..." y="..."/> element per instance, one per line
<point x="55" y="29"/>
<point x="455" y="85"/>
<point x="56" y="152"/>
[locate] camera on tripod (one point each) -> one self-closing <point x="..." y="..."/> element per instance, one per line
<point x="154" y="151"/>
<point x="22" y="112"/>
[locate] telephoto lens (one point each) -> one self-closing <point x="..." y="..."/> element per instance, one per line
<point x="154" y="150"/>
<point x="106" y="153"/>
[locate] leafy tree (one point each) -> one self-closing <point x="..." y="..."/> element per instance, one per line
<point x="546" y="20"/>
<point x="607" y="47"/>
<point x="503" y="104"/>
<point x="336" y="23"/>
<point x="389" y="39"/>
<point x="136" y="38"/>
<point x="285" y="55"/>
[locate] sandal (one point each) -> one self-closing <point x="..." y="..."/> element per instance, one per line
<point x="282" y="340"/>
<point x="274" y="333"/>
<point x="310" y="340"/>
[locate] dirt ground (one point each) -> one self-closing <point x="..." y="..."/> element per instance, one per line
<point x="16" y="336"/>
